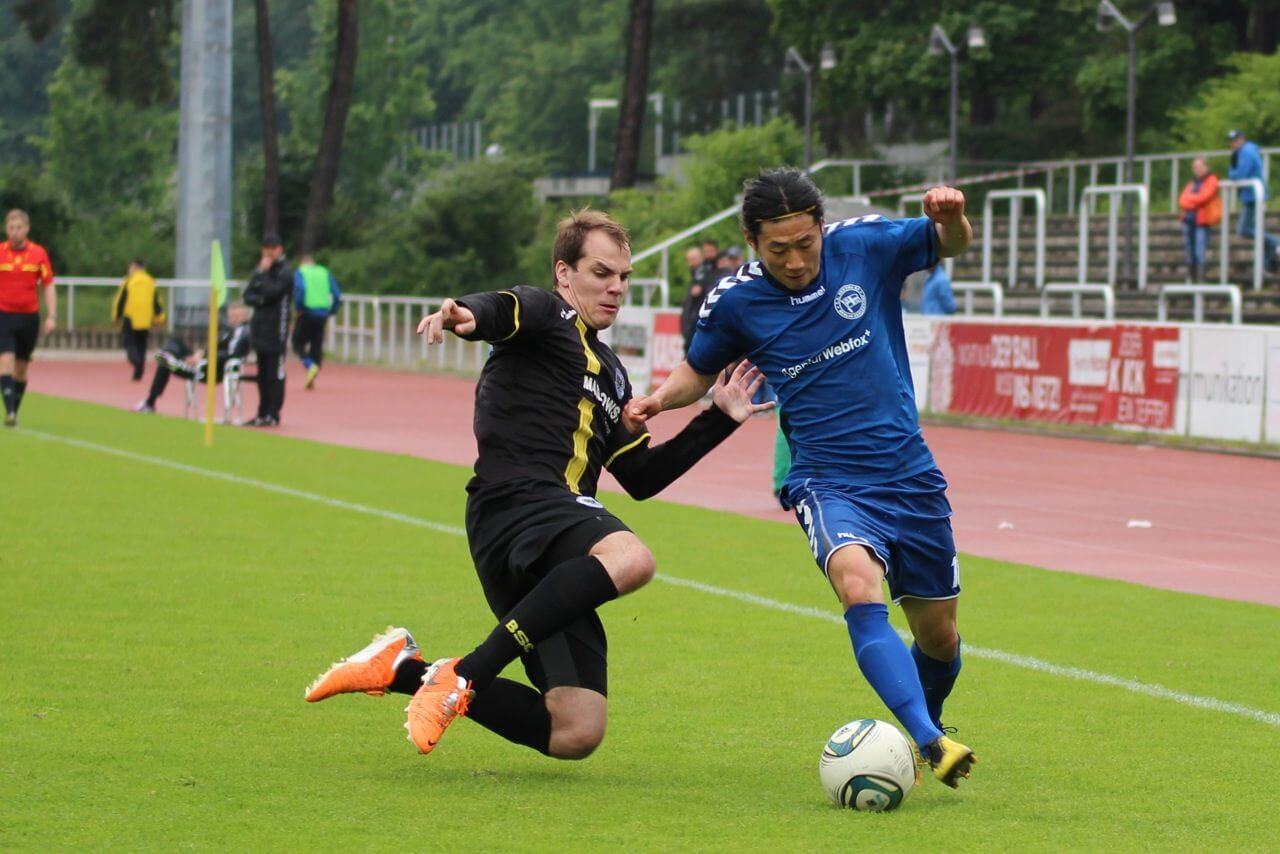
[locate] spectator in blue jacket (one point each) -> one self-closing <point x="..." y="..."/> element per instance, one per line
<point x="1246" y="162"/>
<point x="937" y="298"/>
<point x="317" y="297"/>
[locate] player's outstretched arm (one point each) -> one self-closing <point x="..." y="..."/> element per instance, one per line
<point x="945" y="206"/>
<point x="456" y="318"/>
<point x="681" y="388"/>
<point x="645" y="471"/>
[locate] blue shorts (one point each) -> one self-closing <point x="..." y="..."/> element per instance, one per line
<point x="905" y="524"/>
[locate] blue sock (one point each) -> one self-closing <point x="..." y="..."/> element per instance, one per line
<point x="885" y="662"/>
<point x="307" y="362"/>
<point x="937" y="678"/>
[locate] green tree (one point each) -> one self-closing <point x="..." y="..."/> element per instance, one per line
<point x="99" y="154"/>
<point x="465" y="231"/>
<point x="1248" y="97"/>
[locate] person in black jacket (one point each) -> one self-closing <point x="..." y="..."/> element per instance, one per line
<point x="177" y="358"/>
<point x="547" y="552"/>
<point x="269" y="292"/>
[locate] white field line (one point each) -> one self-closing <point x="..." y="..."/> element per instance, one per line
<point x="1026" y="662"/>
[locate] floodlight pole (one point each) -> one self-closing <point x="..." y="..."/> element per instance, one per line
<point x="955" y="114"/>
<point x="794" y="56"/>
<point x="938" y="39"/>
<point x="1108" y="9"/>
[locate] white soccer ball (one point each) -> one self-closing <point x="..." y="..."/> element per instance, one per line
<point x="867" y="765"/>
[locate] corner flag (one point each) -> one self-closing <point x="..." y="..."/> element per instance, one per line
<point x="217" y="297"/>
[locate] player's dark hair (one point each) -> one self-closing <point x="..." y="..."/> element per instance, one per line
<point x="777" y="194"/>
<point x="572" y="231"/>
<point x="139" y="261"/>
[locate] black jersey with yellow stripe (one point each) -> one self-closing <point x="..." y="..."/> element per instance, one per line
<point x="550" y="398"/>
<point x="549" y="401"/>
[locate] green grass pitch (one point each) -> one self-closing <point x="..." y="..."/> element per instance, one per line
<point x="158" y="626"/>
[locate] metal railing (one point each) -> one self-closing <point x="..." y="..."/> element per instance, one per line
<point x="1198" y="293"/>
<point x="646" y="288"/>
<point x="992" y="289"/>
<point x="663" y="247"/>
<point x="1114" y="192"/>
<point x="1145" y="164"/>
<point x="383" y="330"/>
<point x="67" y="286"/>
<point x="1077" y="290"/>
<point x="1259" y="220"/>
<point x="1015" y="198"/>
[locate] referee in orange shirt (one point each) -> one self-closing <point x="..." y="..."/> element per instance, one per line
<point x="24" y="267"/>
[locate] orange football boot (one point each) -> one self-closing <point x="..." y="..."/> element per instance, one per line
<point x="443" y="696"/>
<point x="371" y="670"/>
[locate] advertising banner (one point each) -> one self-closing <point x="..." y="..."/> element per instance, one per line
<point x="667" y="348"/>
<point x="1273" y="387"/>
<point x="919" y="334"/>
<point x="1087" y="374"/>
<point x="1225" y="383"/>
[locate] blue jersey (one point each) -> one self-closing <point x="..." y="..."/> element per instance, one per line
<point x="834" y="352"/>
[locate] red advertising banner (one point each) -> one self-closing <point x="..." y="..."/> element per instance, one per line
<point x="1105" y="374"/>
<point x="667" y="344"/>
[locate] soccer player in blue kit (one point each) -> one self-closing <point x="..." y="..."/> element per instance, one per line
<point x="821" y="315"/>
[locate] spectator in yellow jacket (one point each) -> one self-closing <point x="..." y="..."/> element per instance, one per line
<point x="138" y="306"/>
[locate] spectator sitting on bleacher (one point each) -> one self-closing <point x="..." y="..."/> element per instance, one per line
<point x="178" y="358"/>
<point x="1201" y="210"/>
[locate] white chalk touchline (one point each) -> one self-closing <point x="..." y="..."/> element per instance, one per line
<point x="1023" y="661"/>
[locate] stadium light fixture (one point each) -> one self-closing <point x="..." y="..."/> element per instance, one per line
<point x="794" y="61"/>
<point x="1166" y="15"/>
<point x="939" y="43"/>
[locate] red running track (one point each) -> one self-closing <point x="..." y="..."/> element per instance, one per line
<point x="1207" y="522"/>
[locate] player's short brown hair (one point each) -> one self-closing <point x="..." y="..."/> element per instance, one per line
<point x="572" y="231"/>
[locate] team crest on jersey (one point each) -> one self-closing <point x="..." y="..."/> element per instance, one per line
<point x="851" y="302"/>
<point x="620" y="381"/>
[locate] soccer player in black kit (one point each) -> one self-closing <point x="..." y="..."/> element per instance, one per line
<point x="548" y="554"/>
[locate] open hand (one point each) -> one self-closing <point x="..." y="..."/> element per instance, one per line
<point x="451" y="316"/>
<point x="944" y="205"/>
<point x="733" y="393"/>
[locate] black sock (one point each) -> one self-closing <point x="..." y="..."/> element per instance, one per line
<point x="7" y="392"/>
<point x="19" y="389"/>
<point x="408" y="676"/>
<point x="514" y="711"/>
<point x="570" y="590"/>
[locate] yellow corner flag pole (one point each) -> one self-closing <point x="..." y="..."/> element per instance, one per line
<point x="217" y="293"/>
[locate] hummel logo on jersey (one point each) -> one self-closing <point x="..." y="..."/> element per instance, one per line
<point x="808" y="298"/>
<point x="851" y="302"/>
<point x="567" y="313"/>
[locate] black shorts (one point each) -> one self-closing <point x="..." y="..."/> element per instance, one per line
<point x="18" y="333"/>
<point x="517" y="534"/>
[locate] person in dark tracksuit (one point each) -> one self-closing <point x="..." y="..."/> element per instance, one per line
<point x="268" y="293"/>
<point x="316" y="296"/>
